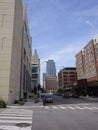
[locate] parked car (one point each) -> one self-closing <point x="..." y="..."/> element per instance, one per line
<point x="66" y="95"/>
<point x="75" y="96"/>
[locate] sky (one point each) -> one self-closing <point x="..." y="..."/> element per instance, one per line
<point x="61" y="28"/>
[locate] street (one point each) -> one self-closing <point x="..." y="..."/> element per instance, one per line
<point x="62" y="114"/>
<point x="66" y="114"/>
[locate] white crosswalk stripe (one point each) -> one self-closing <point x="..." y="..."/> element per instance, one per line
<point x="71" y="107"/>
<point x="63" y="108"/>
<point x="10" y="117"/>
<point x="88" y="108"/>
<point x="46" y="107"/>
<point x="96" y="108"/>
<point x="81" y="108"/>
<point x="54" y="107"/>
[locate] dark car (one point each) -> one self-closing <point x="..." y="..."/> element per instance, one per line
<point x="48" y="98"/>
<point x="75" y="96"/>
<point x="66" y="95"/>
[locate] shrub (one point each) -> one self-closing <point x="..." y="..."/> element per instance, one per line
<point x="2" y="104"/>
<point x="21" y="102"/>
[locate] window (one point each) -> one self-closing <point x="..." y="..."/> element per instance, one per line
<point x="71" y="72"/>
<point x="96" y="49"/>
<point x="34" y="75"/>
<point x="34" y="69"/>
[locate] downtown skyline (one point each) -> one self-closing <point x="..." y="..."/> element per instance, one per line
<point x="60" y="29"/>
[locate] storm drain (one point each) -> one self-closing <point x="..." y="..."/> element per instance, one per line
<point x="23" y="124"/>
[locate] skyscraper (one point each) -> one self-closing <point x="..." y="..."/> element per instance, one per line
<point x="50" y="68"/>
<point x="35" y="69"/>
<point x="51" y="79"/>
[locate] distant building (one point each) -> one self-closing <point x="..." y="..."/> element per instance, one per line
<point x="50" y="68"/>
<point x="66" y="77"/>
<point x="51" y="84"/>
<point x="15" y="51"/>
<point x="35" y="69"/>
<point x="50" y="77"/>
<point x="87" y="67"/>
<point x="44" y="79"/>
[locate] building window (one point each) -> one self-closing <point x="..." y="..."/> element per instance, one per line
<point x="34" y="76"/>
<point x="34" y="69"/>
<point x="96" y="49"/>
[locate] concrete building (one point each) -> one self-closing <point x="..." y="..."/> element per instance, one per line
<point x="50" y="82"/>
<point x="66" y="77"/>
<point x="15" y="51"/>
<point x="44" y="81"/>
<point x="35" y="69"/>
<point x="87" y="66"/>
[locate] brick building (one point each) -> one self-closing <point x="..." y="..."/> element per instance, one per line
<point x="87" y="66"/>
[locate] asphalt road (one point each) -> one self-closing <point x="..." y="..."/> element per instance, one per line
<point x="66" y="114"/>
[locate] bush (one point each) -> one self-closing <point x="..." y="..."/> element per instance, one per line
<point x="2" y="104"/>
<point x="21" y="102"/>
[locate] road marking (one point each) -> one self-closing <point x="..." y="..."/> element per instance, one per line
<point x="71" y="108"/>
<point x="95" y="108"/>
<point x="63" y="108"/>
<point x="46" y="107"/>
<point x="54" y="107"/>
<point x="8" y="127"/>
<point x="88" y="108"/>
<point x="79" y="108"/>
<point x="10" y="117"/>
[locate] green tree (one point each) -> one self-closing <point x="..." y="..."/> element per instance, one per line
<point x="34" y="90"/>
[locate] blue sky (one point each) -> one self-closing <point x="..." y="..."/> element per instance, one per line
<point x="61" y="28"/>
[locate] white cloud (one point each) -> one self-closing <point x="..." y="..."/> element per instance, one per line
<point x="90" y="23"/>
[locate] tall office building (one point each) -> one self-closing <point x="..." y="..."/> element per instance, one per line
<point x="50" y="68"/>
<point x="87" y="66"/>
<point x="50" y="79"/>
<point x="35" y="69"/>
<point x="15" y="51"/>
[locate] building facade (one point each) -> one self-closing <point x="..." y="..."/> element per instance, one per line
<point x="15" y="51"/>
<point x="35" y="69"/>
<point x="51" y="84"/>
<point x="50" y="79"/>
<point x="50" y="68"/>
<point x="44" y="81"/>
<point x="66" y="77"/>
<point x="87" y="66"/>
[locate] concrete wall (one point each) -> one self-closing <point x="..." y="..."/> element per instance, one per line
<point x="14" y="90"/>
<point x="6" y="31"/>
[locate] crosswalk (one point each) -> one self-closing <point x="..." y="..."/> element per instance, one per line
<point x="92" y="108"/>
<point x="16" y="119"/>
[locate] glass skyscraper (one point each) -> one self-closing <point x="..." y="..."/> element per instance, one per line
<point x="50" y="68"/>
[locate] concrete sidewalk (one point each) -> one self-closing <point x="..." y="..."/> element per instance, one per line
<point x="89" y="98"/>
<point x="17" y="117"/>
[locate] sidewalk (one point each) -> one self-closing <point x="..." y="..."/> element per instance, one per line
<point x="17" y="117"/>
<point x="89" y="98"/>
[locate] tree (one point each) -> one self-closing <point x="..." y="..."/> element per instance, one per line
<point x="60" y="90"/>
<point x="34" y="90"/>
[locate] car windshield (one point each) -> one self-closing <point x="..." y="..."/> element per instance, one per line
<point x="48" y="96"/>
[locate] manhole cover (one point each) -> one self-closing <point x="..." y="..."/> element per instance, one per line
<point x="23" y="124"/>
